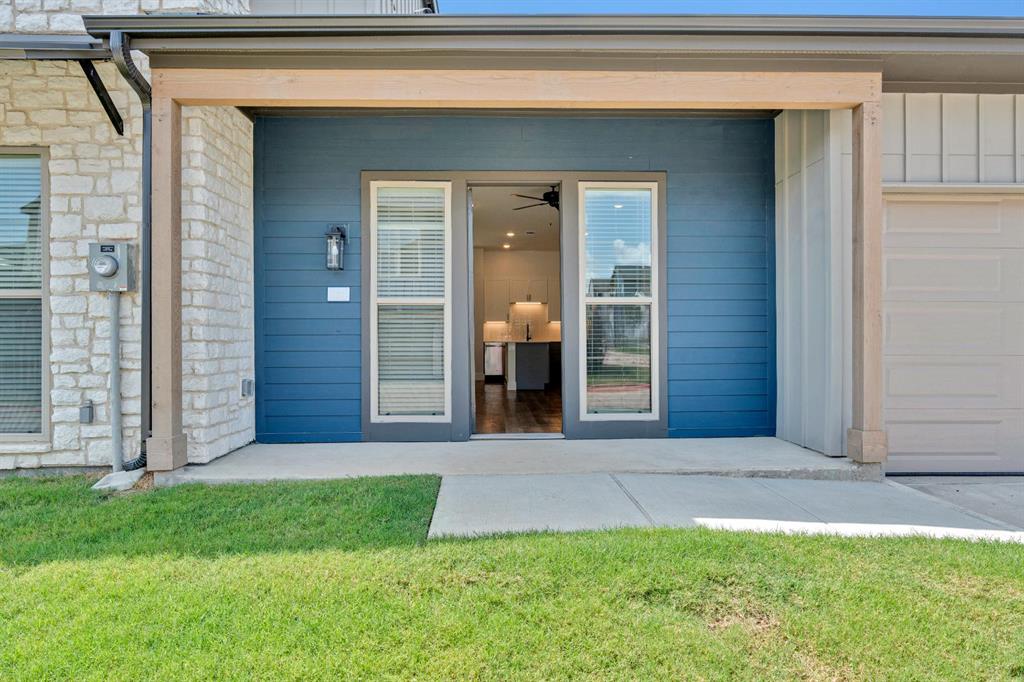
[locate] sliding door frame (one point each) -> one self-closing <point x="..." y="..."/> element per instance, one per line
<point x="460" y="426"/>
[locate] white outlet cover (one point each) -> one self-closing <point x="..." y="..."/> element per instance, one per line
<point x="338" y="294"/>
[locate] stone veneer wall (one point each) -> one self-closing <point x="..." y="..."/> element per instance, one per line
<point x="217" y="280"/>
<point x="94" y="193"/>
<point x="65" y="16"/>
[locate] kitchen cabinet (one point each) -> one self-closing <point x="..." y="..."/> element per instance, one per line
<point x="538" y="290"/>
<point x="518" y="290"/>
<point x="496" y="299"/>
<point x="528" y="290"/>
<point x="532" y="365"/>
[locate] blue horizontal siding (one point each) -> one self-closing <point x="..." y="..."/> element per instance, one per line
<point x="719" y="251"/>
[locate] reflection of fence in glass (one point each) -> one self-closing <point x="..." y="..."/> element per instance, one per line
<point x="618" y="358"/>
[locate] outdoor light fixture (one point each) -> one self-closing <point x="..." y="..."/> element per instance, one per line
<point x="336" y="248"/>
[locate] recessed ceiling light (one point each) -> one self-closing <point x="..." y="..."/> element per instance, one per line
<point x="617" y="205"/>
<point x="510" y="234"/>
<point x="506" y="246"/>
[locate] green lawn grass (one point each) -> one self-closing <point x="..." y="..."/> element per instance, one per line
<point x="337" y="581"/>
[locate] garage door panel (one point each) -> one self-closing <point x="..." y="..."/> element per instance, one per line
<point x="967" y="221"/>
<point x="928" y="274"/>
<point x="949" y="382"/>
<point x="953" y="330"/>
<point x="955" y="441"/>
<point x="960" y="328"/>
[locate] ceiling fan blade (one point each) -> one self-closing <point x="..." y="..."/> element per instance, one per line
<point x="520" y="208"/>
<point x="526" y="196"/>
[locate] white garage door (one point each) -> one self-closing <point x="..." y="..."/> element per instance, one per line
<point x="954" y="332"/>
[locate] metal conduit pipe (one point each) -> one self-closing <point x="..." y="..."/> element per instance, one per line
<point x="121" y="54"/>
<point x="116" y="438"/>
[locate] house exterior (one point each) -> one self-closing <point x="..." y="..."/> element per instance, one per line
<point x="825" y="244"/>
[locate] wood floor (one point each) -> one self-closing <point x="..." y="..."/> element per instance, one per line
<point x="501" y="411"/>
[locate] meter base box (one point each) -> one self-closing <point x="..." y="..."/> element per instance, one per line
<point x="112" y="266"/>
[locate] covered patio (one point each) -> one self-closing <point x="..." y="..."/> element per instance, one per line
<point x="733" y="457"/>
<point x="234" y="62"/>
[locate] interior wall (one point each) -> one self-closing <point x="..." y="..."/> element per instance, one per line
<point x="810" y="280"/>
<point x="478" y="311"/>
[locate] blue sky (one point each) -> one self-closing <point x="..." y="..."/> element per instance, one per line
<point x="882" y="7"/>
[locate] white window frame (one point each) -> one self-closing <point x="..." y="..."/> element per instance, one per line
<point x="652" y="301"/>
<point x="43" y="293"/>
<point x="376" y="301"/>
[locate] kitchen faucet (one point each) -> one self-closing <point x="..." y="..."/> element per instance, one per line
<point x="528" y="334"/>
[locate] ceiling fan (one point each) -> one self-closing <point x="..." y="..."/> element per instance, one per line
<point x="549" y="198"/>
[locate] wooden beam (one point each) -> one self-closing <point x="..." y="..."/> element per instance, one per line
<point x="166" y="448"/>
<point x="516" y="89"/>
<point x="866" y="439"/>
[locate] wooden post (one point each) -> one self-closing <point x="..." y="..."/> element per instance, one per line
<point x="866" y="439"/>
<point x="166" y="448"/>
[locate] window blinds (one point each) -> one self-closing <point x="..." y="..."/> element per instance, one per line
<point x="20" y="223"/>
<point x="411" y="234"/>
<point x="21" y="304"/>
<point x="21" y="384"/>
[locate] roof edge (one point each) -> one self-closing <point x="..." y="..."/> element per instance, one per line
<point x="217" y="26"/>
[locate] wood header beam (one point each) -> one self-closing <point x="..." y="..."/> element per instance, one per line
<point x="516" y="89"/>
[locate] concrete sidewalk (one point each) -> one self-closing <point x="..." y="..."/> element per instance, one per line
<point x="478" y="505"/>
<point x="1000" y="497"/>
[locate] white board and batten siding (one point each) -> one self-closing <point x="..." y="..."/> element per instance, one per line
<point x="812" y="278"/>
<point x="953" y="282"/>
<point x="953" y="138"/>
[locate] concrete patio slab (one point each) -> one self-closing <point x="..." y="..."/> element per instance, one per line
<point x="479" y="505"/>
<point x="997" y="497"/>
<point x="749" y="457"/>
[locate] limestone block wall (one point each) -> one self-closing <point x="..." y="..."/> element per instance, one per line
<point x="94" y="194"/>
<point x="65" y="16"/>
<point x="217" y="280"/>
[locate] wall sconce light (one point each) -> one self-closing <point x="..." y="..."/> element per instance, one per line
<point x="336" y="247"/>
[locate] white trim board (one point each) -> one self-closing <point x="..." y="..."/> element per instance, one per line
<point x="652" y="301"/>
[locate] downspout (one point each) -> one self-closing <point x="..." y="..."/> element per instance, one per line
<point x="122" y="57"/>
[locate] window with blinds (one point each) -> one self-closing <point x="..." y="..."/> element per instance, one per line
<point x="21" y="294"/>
<point x="410" y="283"/>
<point x="618" y="225"/>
